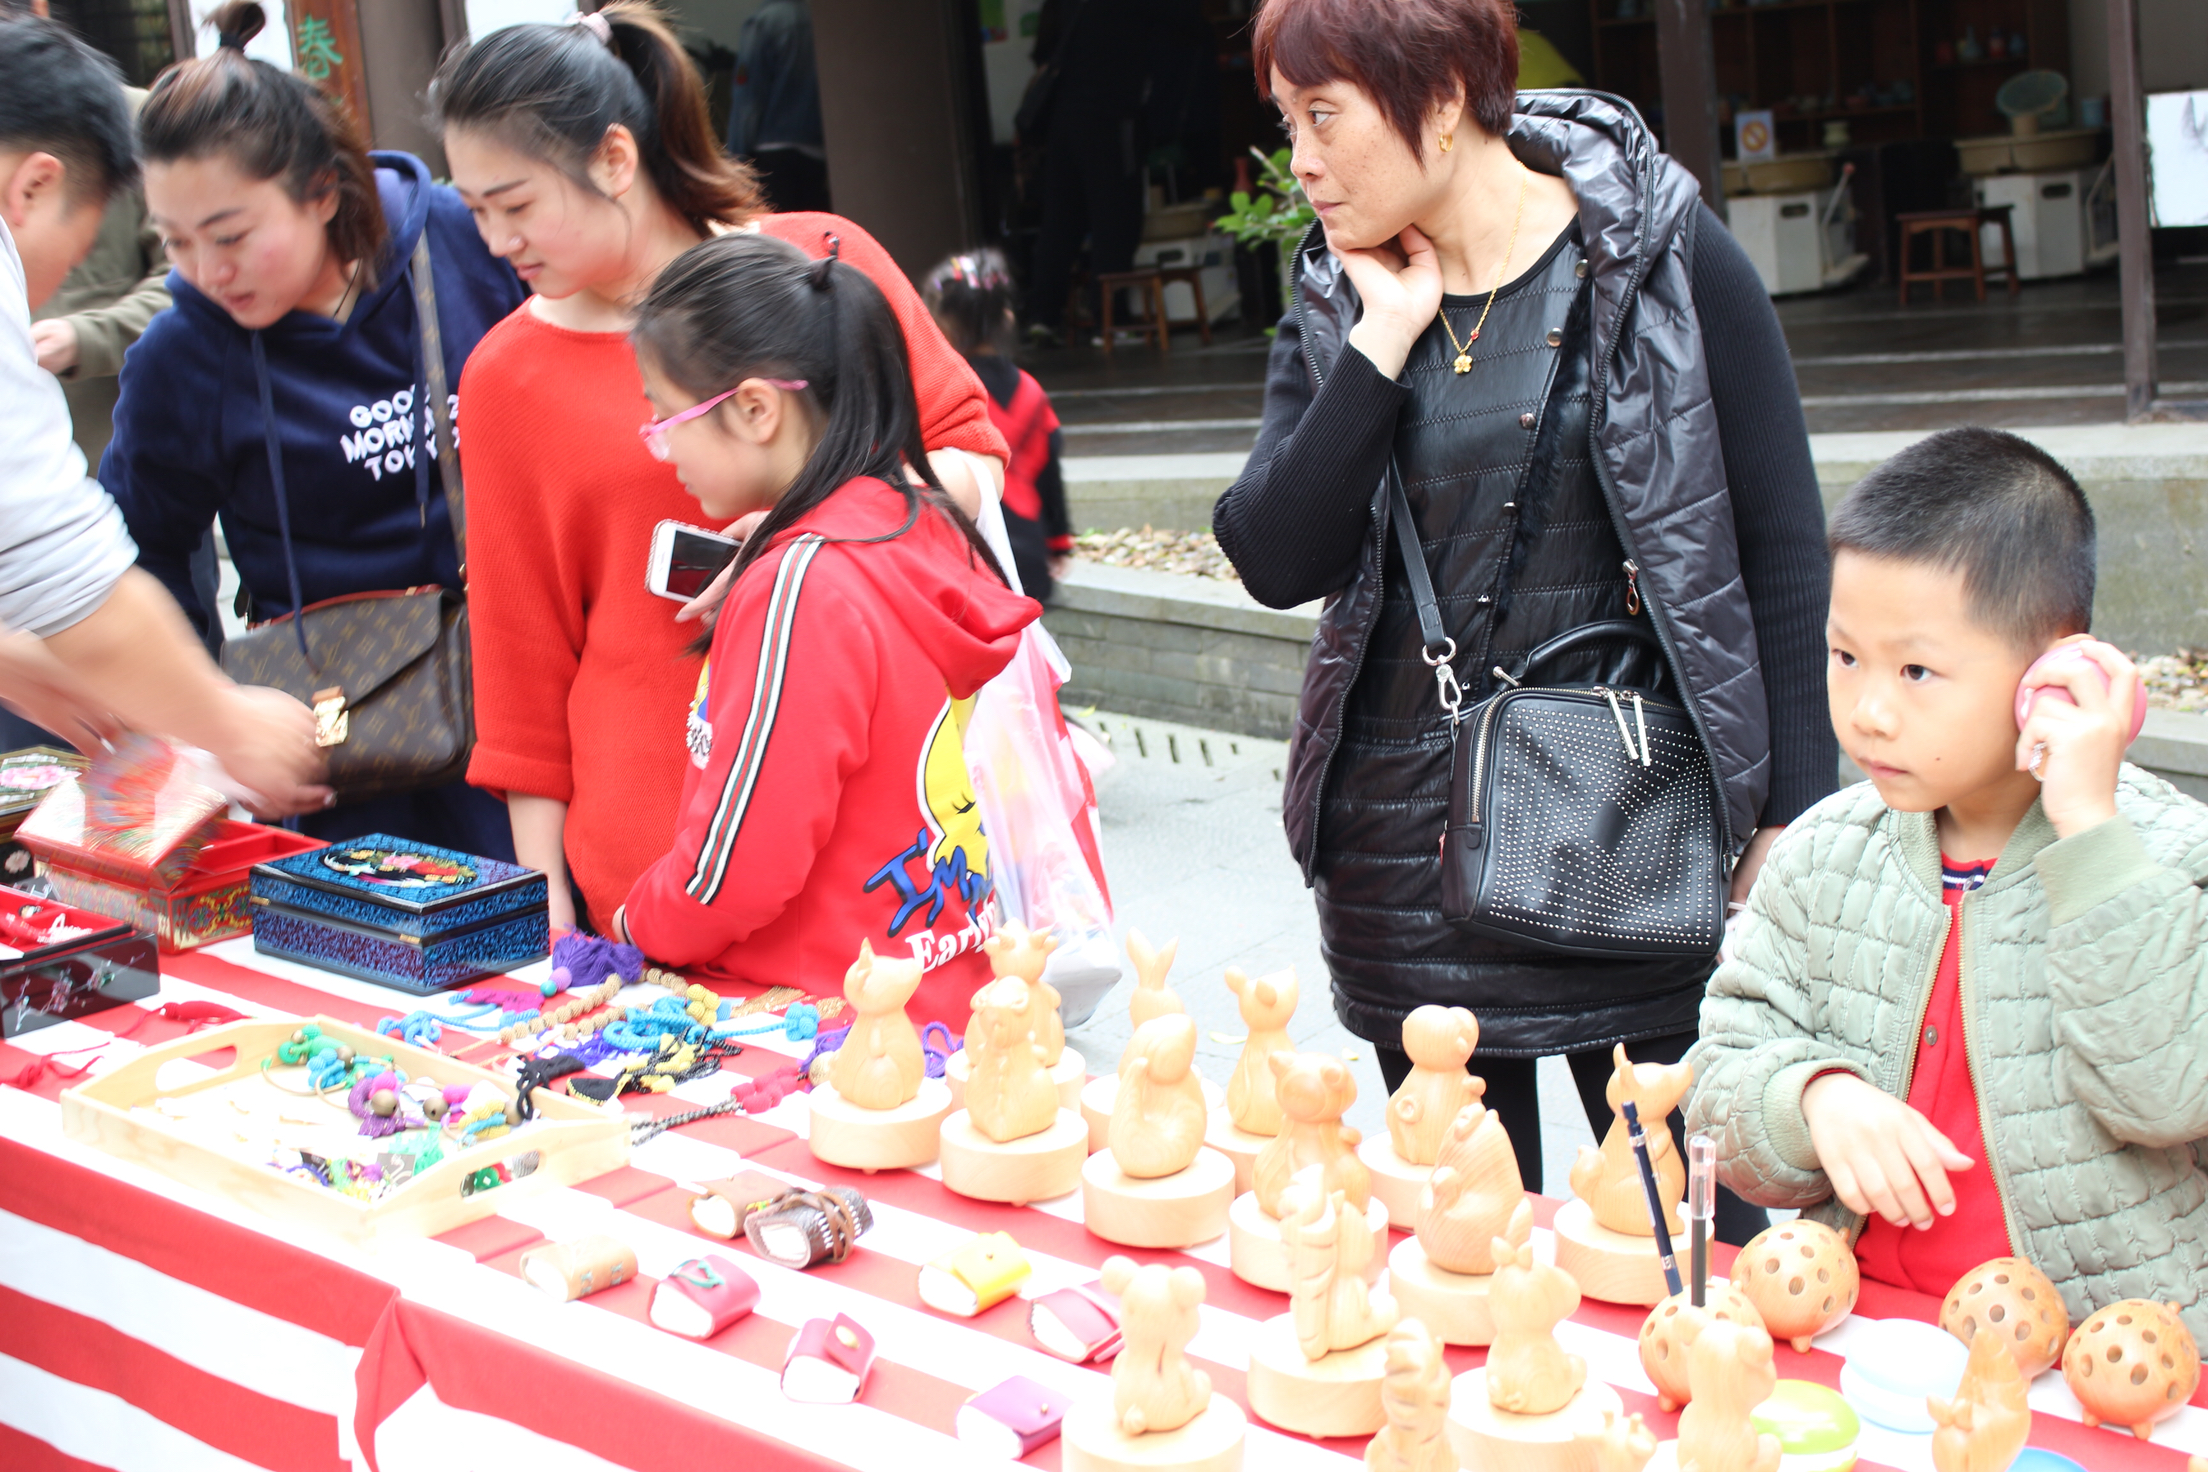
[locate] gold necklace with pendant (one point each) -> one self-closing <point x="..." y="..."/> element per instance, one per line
<point x="1463" y="364"/>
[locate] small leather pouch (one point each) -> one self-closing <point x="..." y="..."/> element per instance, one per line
<point x="702" y="1297"/>
<point x="975" y="1278"/>
<point x="828" y="1361"/>
<point x="1077" y="1324"/>
<point x="722" y="1208"/>
<point x="1009" y="1421"/>
<point x="571" y="1270"/>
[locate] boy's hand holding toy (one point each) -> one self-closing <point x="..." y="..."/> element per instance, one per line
<point x="2077" y="708"/>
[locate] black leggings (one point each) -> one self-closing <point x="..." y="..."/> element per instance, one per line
<point x="1512" y="1094"/>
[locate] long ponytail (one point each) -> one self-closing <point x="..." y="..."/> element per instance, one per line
<point x="750" y="306"/>
<point x="553" y="91"/>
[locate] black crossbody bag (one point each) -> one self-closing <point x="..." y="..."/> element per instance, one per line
<point x="1583" y="819"/>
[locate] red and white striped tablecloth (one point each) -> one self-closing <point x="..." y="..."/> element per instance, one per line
<point x="149" y="1327"/>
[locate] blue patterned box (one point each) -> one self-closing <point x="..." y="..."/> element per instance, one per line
<point x="409" y="915"/>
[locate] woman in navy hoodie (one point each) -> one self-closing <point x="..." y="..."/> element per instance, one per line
<point x="291" y="245"/>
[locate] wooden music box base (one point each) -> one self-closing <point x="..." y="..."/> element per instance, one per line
<point x="1489" y="1440"/>
<point x="841" y="1133"/>
<point x="1092" y="1441"/>
<point x="1260" y="1259"/>
<point x="1335" y="1396"/>
<point x="1395" y="1180"/>
<point x="1033" y="1168"/>
<point x="1608" y="1265"/>
<point x="1222" y="1134"/>
<point x="1453" y="1305"/>
<point x="1179" y="1210"/>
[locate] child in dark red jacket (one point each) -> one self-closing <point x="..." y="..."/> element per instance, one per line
<point x="828" y="800"/>
<point x="970" y="297"/>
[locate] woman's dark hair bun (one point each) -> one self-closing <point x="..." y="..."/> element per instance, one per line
<point x="237" y="23"/>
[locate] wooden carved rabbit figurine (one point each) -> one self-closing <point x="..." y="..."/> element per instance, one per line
<point x="1154" y="1388"/>
<point x="1730" y="1372"/>
<point x="1314" y="1089"/>
<point x="1267" y="1004"/>
<point x="1158" y="1115"/>
<point x="1009" y="1095"/>
<point x="1610" y="1181"/>
<point x="1476" y="1196"/>
<point x="1622" y="1444"/>
<point x="1330" y="1244"/>
<point x="1984" y="1427"/>
<point x="880" y="1064"/>
<point x="1017" y="951"/>
<point x="1416" y="1398"/>
<point x="1528" y="1372"/>
<point x="1438" y="1041"/>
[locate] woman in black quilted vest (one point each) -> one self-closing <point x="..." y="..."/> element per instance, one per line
<point x="1525" y="305"/>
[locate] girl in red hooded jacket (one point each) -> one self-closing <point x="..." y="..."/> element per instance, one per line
<point x="828" y="800"/>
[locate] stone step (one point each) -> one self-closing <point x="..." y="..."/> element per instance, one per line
<point x="2148" y="485"/>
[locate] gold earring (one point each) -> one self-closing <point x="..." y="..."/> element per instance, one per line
<point x="1447" y="139"/>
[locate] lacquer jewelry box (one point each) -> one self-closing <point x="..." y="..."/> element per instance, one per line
<point x="26" y="776"/>
<point x="58" y="962"/>
<point x="211" y="901"/>
<point x="409" y="915"/>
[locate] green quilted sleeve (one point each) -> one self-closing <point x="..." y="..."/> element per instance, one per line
<point x="1760" y="1046"/>
<point x="2127" y="961"/>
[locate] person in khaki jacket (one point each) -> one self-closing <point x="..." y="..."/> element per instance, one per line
<point x="83" y="331"/>
<point x="1967" y="1013"/>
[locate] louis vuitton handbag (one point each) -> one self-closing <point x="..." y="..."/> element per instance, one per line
<point x="1583" y="818"/>
<point x="387" y="673"/>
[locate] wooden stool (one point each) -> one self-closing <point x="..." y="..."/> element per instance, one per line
<point x="1152" y="285"/>
<point x="1937" y="223"/>
<point x="1194" y="276"/>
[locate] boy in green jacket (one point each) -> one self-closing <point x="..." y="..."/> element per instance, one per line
<point x="1967" y="1015"/>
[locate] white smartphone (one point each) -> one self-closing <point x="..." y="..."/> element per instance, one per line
<point x="685" y="559"/>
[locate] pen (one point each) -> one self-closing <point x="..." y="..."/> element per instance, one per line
<point x="1655" y="1200"/>
<point x="1701" y="1212"/>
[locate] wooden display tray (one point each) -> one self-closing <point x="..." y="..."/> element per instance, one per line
<point x="572" y="1140"/>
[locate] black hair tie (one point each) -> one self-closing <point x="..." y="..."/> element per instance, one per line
<point x="824" y="269"/>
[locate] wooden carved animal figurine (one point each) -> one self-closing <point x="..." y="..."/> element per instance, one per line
<point x="1729" y="1367"/>
<point x="1984" y="1427"/>
<point x="1014" y="950"/>
<point x="1267" y="1003"/>
<point x="1158" y="1115"/>
<point x="1474" y="1197"/>
<point x="2016" y="1303"/>
<point x="2132" y="1364"/>
<point x="1415" y="1396"/>
<point x="1154" y="1388"/>
<point x="1666" y="1334"/>
<point x="1009" y="1094"/>
<point x="1438" y="1041"/>
<point x="1314" y="1089"/>
<point x="1330" y="1245"/>
<point x="1528" y="1372"/>
<point x="1622" y="1444"/>
<point x="1801" y="1276"/>
<point x="1609" y="1181"/>
<point x="880" y="1064"/>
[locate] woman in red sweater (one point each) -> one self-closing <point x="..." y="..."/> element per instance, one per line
<point x="585" y="152"/>
<point x="827" y="801"/>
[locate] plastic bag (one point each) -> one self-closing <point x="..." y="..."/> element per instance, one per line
<point x="1039" y="810"/>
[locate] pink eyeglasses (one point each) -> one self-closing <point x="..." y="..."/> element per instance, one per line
<point x="654" y="434"/>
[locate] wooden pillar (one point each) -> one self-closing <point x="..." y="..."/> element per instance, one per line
<point x="2127" y="110"/>
<point x="402" y="41"/>
<point x="1688" y="70"/>
<point x="895" y="104"/>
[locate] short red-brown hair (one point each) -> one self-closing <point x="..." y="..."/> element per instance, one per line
<point x="1410" y="56"/>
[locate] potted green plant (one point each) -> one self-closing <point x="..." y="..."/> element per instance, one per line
<point x="1279" y="213"/>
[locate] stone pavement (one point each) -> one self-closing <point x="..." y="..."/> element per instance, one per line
<point x="1193" y="849"/>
